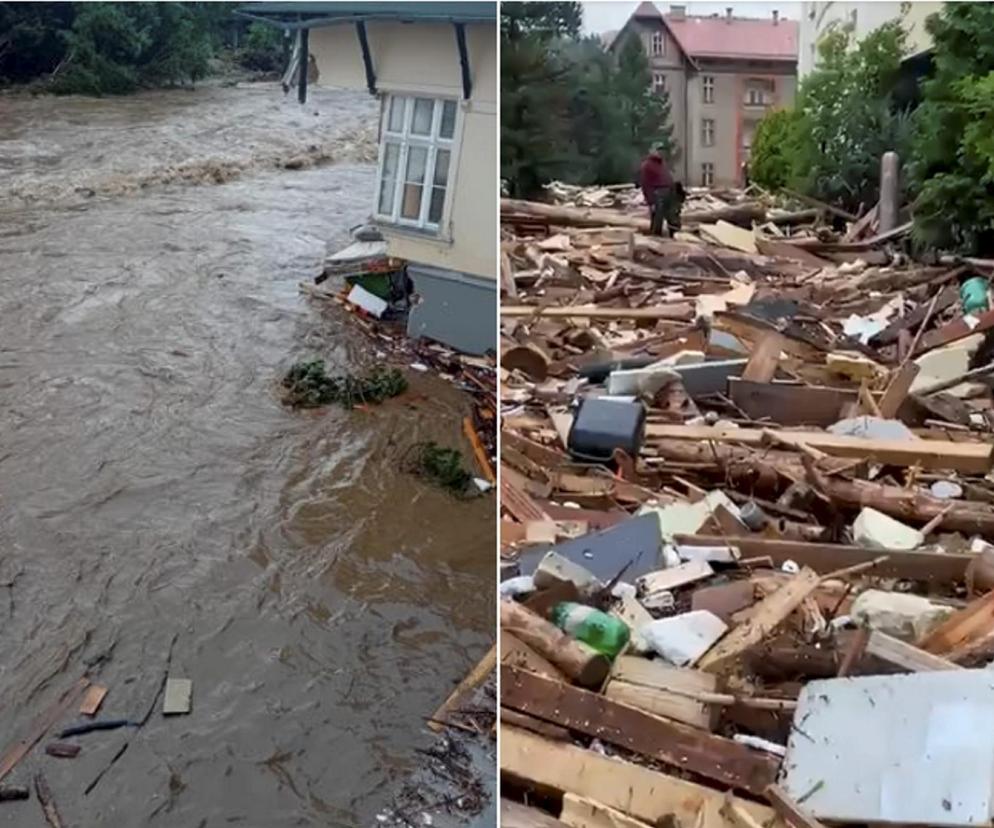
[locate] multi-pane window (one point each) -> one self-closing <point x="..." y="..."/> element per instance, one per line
<point x="707" y="174"/>
<point x="415" y="155"/>
<point x="658" y="82"/>
<point x="759" y="92"/>
<point x="707" y="84"/>
<point x="707" y="132"/>
<point x="658" y="44"/>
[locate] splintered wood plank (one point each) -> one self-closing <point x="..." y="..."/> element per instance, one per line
<point x="579" y="812"/>
<point x="661" y="702"/>
<point x="518" y="503"/>
<point x="897" y="390"/>
<point x="40" y="726"/>
<point x="790" y="811"/>
<point x="687" y="748"/>
<point x="906" y="656"/>
<point x="473" y="678"/>
<point x="766" y="616"/>
<point x="974" y="621"/>
<point x="645" y="794"/>
<point x="515" y="815"/>
<point x="762" y="364"/>
<point x="928" y="454"/>
<point x="92" y="700"/>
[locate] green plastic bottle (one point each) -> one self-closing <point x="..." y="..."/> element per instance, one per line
<point x="598" y="630"/>
<point x="973" y="295"/>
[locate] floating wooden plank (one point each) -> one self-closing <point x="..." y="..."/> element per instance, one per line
<point x="908" y="657"/>
<point x="687" y="748"/>
<point x="40" y="726"/>
<point x="973" y="622"/>
<point x="515" y="815"/>
<point x="789" y="404"/>
<point x="580" y="812"/>
<point x="790" y="811"/>
<point x="47" y="801"/>
<point x="483" y="668"/>
<point x="478" y="451"/>
<point x="633" y="789"/>
<point x="897" y="390"/>
<point x="766" y="616"/>
<point x="928" y="454"/>
<point x="935" y="568"/>
<point x="92" y="700"/>
<point x="763" y="362"/>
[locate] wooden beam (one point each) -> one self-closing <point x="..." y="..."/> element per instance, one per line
<point x="955" y="330"/>
<point x="974" y="621"/>
<point x="897" y="389"/>
<point x="974" y="458"/>
<point x="633" y="789"/>
<point x="580" y="812"/>
<point x="790" y="404"/>
<point x="515" y="815"/>
<point x="763" y="362"/>
<point x="935" y="568"/>
<point x="765" y="617"/>
<point x="483" y="668"/>
<point x="683" y="747"/>
<point x="906" y="656"/>
<point x="649" y="685"/>
<point x="677" y="310"/>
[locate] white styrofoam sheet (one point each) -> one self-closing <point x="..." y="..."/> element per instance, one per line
<point x="913" y="748"/>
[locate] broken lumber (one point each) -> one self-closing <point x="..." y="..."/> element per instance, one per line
<point x="580" y="812"/>
<point x="515" y="653"/>
<point x="650" y="685"/>
<point x="632" y="789"/>
<point x="744" y="214"/>
<point x="677" y="311"/>
<point x="906" y="656"/>
<point x="580" y="663"/>
<point x="722" y="760"/>
<point x="473" y="678"/>
<point x="928" y="454"/>
<point x="974" y="621"/>
<point x="790" y="811"/>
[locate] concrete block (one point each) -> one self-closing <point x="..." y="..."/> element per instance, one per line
<point x="902" y="615"/>
<point x="555" y="569"/>
<point x="875" y="530"/>
<point x="682" y="639"/>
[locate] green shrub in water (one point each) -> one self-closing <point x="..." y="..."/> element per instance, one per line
<point x="442" y="466"/>
<point x="308" y="386"/>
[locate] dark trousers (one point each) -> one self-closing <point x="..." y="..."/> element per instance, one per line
<point x="666" y="205"/>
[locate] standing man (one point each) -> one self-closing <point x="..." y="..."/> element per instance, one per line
<point x="661" y="193"/>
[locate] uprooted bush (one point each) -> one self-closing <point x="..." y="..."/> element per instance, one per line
<point x="309" y="386"/>
<point x="439" y="465"/>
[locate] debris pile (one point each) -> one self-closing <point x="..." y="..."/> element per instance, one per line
<point x="308" y="386"/>
<point x="747" y="521"/>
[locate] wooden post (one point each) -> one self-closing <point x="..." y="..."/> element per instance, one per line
<point x="303" y="66"/>
<point x="890" y="186"/>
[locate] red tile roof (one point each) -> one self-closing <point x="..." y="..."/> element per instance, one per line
<point x="702" y="37"/>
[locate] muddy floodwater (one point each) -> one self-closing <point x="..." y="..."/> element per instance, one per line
<point x="155" y="494"/>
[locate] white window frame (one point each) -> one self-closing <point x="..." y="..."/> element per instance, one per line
<point x="707" y="88"/>
<point x="707" y="174"/>
<point x="707" y="132"/>
<point x="658" y="81"/>
<point x="657" y="46"/>
<point x="433" y="142"/>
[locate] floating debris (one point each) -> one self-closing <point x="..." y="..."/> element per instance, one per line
<point x="308" y="386"/>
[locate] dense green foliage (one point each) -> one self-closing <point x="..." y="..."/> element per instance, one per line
<point x="441" y="466"/>
<point x="263" y="48"/>
<point x="844" y="119"/>
<point x="309" y="386"/>
<point x="570" y="110"/>
<point x="952" y="170"/>
<point x="112" y="48"/>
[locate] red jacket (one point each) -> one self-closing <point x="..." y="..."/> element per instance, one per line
<point x="653" y="174"/>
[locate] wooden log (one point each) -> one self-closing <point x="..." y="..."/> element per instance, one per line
<point x="633" y="789"/>
<point x="565" y="216"/>
<point x="765" y="617"/>
<point x="722" y="760"/>
<point x="580" y="663"/>
<point x="973" y="458"/>
<point x="515" y="653"/>
<point x="48" y="807"/>
<point x="515" y="815"/>
<point x="580" y="812"/>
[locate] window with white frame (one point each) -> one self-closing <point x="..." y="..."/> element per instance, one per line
<point x="707" y="84"/>
<point x="658" y="44"/>
<point x="707" y="132"/>
<point x="707" y="174"/>
<point x="415" y="156"/>
<point x="658" y="82"/>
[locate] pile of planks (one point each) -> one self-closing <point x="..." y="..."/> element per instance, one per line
<point x="813" y="478"/>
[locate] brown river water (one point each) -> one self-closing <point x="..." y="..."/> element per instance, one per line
<point x="153" y="489"/>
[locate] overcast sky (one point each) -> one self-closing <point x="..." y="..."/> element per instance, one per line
<point x="607" y="15"/>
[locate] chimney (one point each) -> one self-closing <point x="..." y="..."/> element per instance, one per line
<point x="678" y="12"/>
<point x="728" y="14"/>
<point x="776" y="17"/>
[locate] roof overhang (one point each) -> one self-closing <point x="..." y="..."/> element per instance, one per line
<point x="315" y="15"/>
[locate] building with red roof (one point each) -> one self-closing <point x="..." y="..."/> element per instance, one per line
<point x="722" y="74"/>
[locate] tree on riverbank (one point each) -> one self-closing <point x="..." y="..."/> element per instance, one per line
<point x="115" y="48"/>
<point x="570" y="109"/>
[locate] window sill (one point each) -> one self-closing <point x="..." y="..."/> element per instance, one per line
<point x="405" y="231"/>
